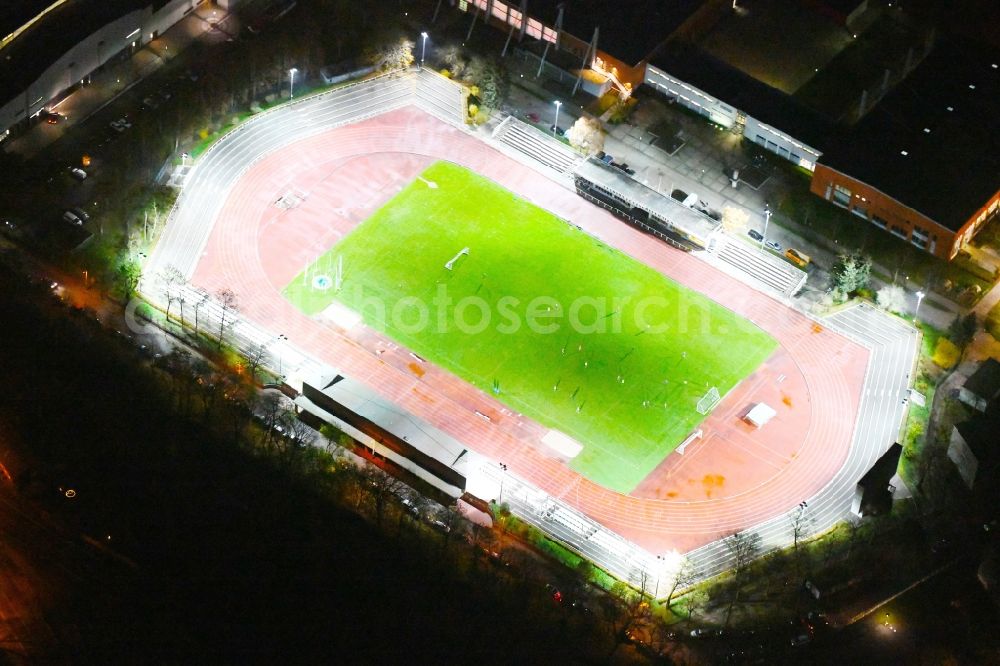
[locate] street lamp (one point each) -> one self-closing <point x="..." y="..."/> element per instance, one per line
<point x="291" y="82"/>
<point x="555" y="127"/>
<point x="767" y="219"/>
<point x="276" y="340"/>
<point x="423" y="48"/>
<point x="660" y="564"/>
<point x="920" y="296"/>
<point x="503" y="476"/>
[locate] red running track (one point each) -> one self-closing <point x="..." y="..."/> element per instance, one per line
<point x="734" y="478"/>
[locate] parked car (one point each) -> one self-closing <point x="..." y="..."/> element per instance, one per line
<point x="72" y="218"/>
<point x="755" y="235"/>
<point x="557" y="596"/>
<point x="559" y="131"/>
<point x="623" y="167"/>
<point x="121" y="124"/>
<point x="773" y="245"/>
<point x="78" y="173"/>
<point x="80" y="213"/>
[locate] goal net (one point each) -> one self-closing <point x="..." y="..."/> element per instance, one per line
<point x="708" y="401"/>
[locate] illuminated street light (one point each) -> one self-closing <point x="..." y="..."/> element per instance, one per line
<point x="503" y="476"/>
<point x="291" y="82"/>
<point x="555" y="127"/>
<point x="423" y="48"/>
<point x="767" y="218"/>
<point x="920" y="296"/>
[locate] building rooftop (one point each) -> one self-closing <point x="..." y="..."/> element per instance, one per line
<point x="366" y="403"/>
<point x="629" y="31"/>
<point x="741" y="91"/>
<point x="877" y="478"/>
<point x="985" y="381"/>
<point x="980" y="435"/>
<point x="933" y="143"/>
<point x="27" y="57"/>
<point x="15" y="13"/>
<point x="691" y="222"/>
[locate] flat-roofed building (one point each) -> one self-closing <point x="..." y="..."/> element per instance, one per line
<point x="626" y="33"/>
<point x="49" y="48"/>
<point x="924" y="164"/>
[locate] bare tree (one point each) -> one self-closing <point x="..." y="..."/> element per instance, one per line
<point x="451" y="523"/>
<point x="270" y="410"/>
<point x="614" y="614"/>
<point x="801" y="524"/>
<point x="381" y="487"/>
<point x="170" y="277"/>
<point x="336" y="440"/>
<point x="230" y="307"/>
<point x="744" y="548"/>
<point x="587" y="135"/>
<point x="201" y="300"/>
<point x="296" y="435"/>
<point x="256" y="357"/>
<point x="238" y="411"/>
<point x="685" y="576"/>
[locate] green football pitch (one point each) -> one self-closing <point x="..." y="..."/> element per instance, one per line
<point x="557" y="325"/>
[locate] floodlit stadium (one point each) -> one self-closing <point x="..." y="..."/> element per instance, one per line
<point x="450" y="287"/>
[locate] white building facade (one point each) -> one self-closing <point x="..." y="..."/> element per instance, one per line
<point x="719" y="112"/>
<point x="123" y="35"/>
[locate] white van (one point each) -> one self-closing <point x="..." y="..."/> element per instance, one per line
<point x="72" y="218"/>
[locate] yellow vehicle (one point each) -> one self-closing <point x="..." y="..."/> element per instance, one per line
<point x="800" y="259"/>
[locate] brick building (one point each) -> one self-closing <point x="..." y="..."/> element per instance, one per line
<point x="924" y="164"/>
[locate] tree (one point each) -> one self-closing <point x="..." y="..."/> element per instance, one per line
<point x="851" y="273"/>
<point x="586" y="135"/>
<point x="452" y="524"/>
<point x="735" y="219"/>
<point x="891" y="298"/>
<point x="170" y="277"/>
<point x="490" y="78"/>
<point x="684" y="576"/>
<point x="336" y="440"/>
<point x="296" y="436"/>
<point x="269" y="408"/>
<point x="237" y="409"/>
<point x="801" y="523"/>
<point x="453" y="56"/>
<point x="198" y="304"/>
<point x="229" y="305"/>
<point x="257" y="356"/>
<point x="128" y="275"/>
<point x="391" y="54"/>
<point x="381" y="488"/>
<point x="613" y="613"/>
<point x="962" y="330"/>
<point x="743" y="547"/>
